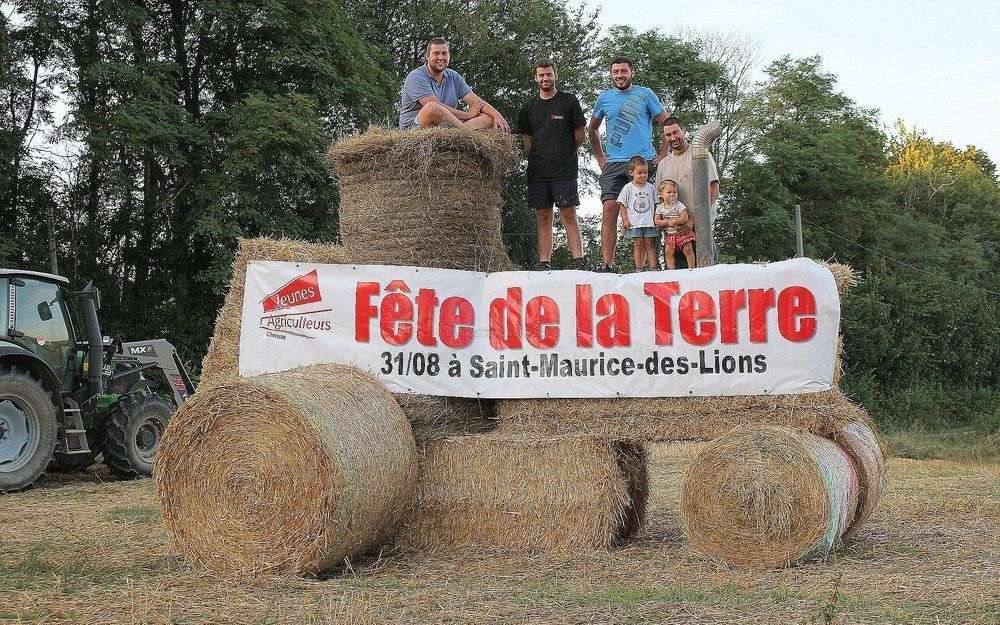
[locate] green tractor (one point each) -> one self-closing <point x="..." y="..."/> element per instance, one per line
<point x="69" y="402"/>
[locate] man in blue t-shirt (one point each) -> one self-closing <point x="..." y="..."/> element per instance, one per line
<point x="431" y="94"/>
<point x="630" y="111"/>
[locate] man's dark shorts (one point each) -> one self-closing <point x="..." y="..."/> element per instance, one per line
<point x="613" y="180"/>
<point x="545" y="193"/>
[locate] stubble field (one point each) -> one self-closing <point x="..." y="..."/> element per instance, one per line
<point x="83" y="549"/>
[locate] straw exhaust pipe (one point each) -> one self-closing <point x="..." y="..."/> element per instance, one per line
<point x="704" y="223"/>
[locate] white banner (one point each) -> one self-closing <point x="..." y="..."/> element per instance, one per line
<point x="722" y="330"/>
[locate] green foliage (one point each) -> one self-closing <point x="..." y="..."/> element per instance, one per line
<point x="918" y="219"/>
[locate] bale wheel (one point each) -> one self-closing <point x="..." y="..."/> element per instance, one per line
<point x="28" y="429"/>
<point x="132" y="434"/>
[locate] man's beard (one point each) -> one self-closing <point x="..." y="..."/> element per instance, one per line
<point x="624" y="87"/>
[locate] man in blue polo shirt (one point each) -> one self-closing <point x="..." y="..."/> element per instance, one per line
<point x="630" y="111"/>
<point x="431" y="94"/>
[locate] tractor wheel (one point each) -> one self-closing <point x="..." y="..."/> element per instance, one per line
<point x="132" y="434"/>
<point x="29" y="429"/>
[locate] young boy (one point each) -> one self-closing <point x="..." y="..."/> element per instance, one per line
<point x="635" y="203"/>
<point x="670" y="214"/>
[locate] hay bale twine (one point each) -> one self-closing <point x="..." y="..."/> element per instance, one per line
<point x="288" y="472"/>
<point x="427" y="197"/>
<point x="527" y="494"/>
<point x="767" y="497"/>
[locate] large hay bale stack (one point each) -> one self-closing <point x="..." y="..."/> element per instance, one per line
<point x="428" y="197"/>
<point x="524" y="494"/>
<point x="658" y="419"/>
<point x="430" y="416"/>
<point x="289" y="472"/>
<point x="765" y="497"/>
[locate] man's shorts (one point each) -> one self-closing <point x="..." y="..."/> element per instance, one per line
<point x="613" y="180"/>
<point x="643" y="232"/>
<point x="545" y="193"/>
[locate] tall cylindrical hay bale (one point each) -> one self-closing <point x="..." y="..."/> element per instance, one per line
<point x="768" y="497"/>
<point x="427" y="198"/>
<point x="288" y="472"/>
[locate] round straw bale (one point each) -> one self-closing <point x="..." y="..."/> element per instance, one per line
<point x="515" y="493"/>
<point x="427" y="198"/>
<point x="766" y="497"/>
<point x="861" y="440"/>
<point x="289" y="472"/>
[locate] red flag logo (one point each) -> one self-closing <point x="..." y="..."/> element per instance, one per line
<point x="298" y="292"/>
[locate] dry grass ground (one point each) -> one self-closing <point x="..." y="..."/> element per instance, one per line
<point x="82" y="550"/>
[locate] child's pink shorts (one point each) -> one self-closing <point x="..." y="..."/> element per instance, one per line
<point x="677" y="241"/>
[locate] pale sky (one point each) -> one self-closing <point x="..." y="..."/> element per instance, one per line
<point x="935" y="65"/>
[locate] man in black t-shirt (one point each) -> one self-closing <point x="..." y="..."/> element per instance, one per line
<point x="551" y="125"/>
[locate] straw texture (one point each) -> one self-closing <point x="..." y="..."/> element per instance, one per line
<point x="674" y="418"/>
<point x="861" y="441"/>
<point x="522" y="494"/>
<point x="766" y="497"/>
<point x="430" y="416"/>
<point x="287" y="473"/>
<point x="843" y="275"/>
<point x="427" y="197"/>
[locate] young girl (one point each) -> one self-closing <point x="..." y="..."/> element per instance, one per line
<point x="670" y="215"/>
<point x="635" y="203"/>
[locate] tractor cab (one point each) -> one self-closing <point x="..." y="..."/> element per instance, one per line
<point x="35" y="320"/>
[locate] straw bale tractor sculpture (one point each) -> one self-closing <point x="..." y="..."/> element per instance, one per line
<point x="66" y="401"/>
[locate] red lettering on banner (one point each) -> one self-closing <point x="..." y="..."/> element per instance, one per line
<point x="364" y="312"/>
<point x="505" y="320"/>
<point x="584" y="321"/>
<point x="457" y="317"/>
<point x="396" y="314"/>
<point x="613" y="329"/>
<point x="730" y="303"/>
<point x="426" y="303"/>
<point x="796" y="313"/>
<point x="541" y="320"/>
<point x="400" y="317"/>
<point x="696" y="313"/>
<point x="661" y="292"/>
<point x="761" y="300"/>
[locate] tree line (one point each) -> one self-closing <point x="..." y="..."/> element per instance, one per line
<point x="144" y="138"/>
